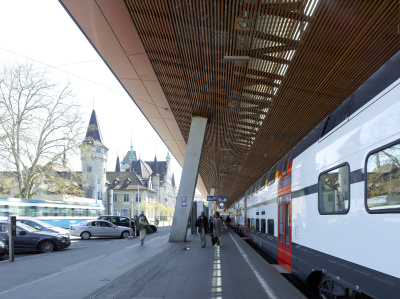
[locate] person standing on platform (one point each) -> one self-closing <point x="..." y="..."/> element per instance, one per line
<point x="217" y="229"/>
<point x="202" y="224"/>
<point x="210" y="222"/>
<point x="142" y="224"/>
<point x="227" y="223"/>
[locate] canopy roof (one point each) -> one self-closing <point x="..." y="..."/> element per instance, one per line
<point x="264" y="72"/>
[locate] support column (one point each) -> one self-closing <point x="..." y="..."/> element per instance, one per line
<point x="188" y="182"/>
<point x="211" y="206"/>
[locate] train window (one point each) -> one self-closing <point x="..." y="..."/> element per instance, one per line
<point x="337" y="115"/>
<point x="383" y="180"/>
<point x="258" y="184"/>
<point x="252" y="224"/>
<point x="257" y="224"/>
<point x="272" y="175"/>
<point x="264" y="180"/>
<point x="334" y="190"/>
<point x="287" y="227"/>
<point x="285" y="165"/>
<point x="263" y="226"/>
<point x="271" y="227"/>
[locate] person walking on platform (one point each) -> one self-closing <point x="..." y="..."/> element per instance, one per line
<point x="227" y="223"/>
<point x="202" y="224"/>
<point x="217" y="229"/>
<point x="142" y="224"/>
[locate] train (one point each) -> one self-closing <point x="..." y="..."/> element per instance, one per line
<point x="61" y="213"/>
<point x="328" y="212"/>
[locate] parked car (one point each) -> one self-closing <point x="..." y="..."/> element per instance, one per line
<point x="42" y="226"/>
<point x="99" y="228"/>
<point x="3" y="248"/>
<point x="30" y="239"/>
<point x="124" y="221"/>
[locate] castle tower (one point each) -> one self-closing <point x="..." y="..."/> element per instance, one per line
<point x="94" y="162"/>
<point x="155" y="178"/>
<point x="117" y="165"/>
<point x="129" y="158"/>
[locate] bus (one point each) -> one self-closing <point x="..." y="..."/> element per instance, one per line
<point x="61" y="213"/>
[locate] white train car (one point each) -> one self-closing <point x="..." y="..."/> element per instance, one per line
<point x="329" y="211"/>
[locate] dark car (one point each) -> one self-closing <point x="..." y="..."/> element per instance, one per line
<point x="42" y="226"/>
<point x="124" y="221"/>
<point x="30" y="239"/>
<point x="3" y="248"/>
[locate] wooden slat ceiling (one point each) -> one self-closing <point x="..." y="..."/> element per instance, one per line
<point x="299" y="60"/>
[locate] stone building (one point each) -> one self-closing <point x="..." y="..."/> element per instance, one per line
<point x="134" y="185"/>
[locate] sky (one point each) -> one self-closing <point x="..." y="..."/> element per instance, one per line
<point x="41" y="32"/>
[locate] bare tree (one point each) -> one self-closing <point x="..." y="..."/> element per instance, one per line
<point x="39" y="123"/>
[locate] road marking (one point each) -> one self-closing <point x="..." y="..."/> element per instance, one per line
<point x="82" y="263"/>
<point x="261" y="280"/>
<point x="131" y="262"/>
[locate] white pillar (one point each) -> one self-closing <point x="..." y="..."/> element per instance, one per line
<point x="211" y="205"/>
<point x="188" y="182"/>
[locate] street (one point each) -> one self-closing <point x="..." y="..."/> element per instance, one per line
<point x="102" y="259"/>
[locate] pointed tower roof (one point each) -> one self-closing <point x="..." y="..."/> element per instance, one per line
<point x="142" y="169"/>
<point x="173" y="181"/>
<point x="93" y="134"/>
<point x="118" y="165"/>
<point x="155" y="166"/>
<point x="132" y="157"/>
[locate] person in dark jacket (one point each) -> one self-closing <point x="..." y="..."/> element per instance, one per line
<point x="217" y="229"/>
<point x="227" y="223"/>
<point x="202" y="224"/>
<point x="142" y="224"/>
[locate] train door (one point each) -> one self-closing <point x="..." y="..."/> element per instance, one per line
<point x="284" y="232"/>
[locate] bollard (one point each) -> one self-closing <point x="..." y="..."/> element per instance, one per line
<point x="12" y="232"/>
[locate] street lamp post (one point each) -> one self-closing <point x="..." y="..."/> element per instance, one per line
<point x="138" y="198"/>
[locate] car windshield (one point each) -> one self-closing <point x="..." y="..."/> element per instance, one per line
<point x="26" y="227"/>
<point x="42" y="223"/>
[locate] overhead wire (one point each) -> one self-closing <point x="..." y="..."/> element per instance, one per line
<point x="88" y="80"/>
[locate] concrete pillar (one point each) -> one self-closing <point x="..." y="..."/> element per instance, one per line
<point x="188" y="182"/>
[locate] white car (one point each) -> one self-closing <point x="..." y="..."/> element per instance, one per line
<point x="99" y="228"/>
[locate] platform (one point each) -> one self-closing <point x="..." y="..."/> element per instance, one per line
<point x="234" y="270"/>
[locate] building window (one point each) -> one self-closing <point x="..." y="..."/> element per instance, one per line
<point x="98" y="150"/>
<point x="126" y="197"/>
<point x="136" y="197"/>
<point x="115" y="197"/>
<point x="333" y="190"/>
<point x="89" y="168"/>
<point x="383" y="180"/>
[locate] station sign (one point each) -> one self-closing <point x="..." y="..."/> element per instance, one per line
<point x="217" y="198"/>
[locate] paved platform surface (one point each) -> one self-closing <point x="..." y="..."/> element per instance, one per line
<point x="160" y="269"/>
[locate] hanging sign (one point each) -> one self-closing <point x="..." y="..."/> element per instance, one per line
<point x="217" y="198"/>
